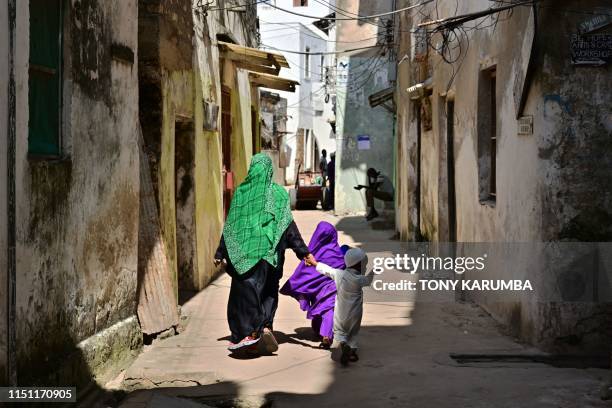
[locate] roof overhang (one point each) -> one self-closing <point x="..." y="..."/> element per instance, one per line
<point x="272" y="82"/>
<point x="383" y="98"/>
<point x="253" y="59"/>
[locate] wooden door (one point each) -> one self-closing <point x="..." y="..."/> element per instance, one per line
<point x="226" y="146"/>
<point x="157" y="300"/>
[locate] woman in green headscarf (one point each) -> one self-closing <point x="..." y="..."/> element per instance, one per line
<point x="258" y="229"/>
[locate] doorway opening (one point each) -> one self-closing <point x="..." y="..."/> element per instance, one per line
<point x="184" y="191"/>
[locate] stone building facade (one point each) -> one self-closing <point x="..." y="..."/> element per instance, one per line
<point x="508" y="141"/>
<point x="128" y="123"/>
<point x="72" y="189"/>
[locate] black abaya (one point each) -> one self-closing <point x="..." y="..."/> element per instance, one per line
<point x="253" y="296"/>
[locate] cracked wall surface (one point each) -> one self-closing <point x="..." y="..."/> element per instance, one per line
<point x="552" y="185"/>
<point x="77" y="215"/>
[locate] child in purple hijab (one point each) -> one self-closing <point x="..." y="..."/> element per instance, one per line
<point x="316" y="293"/>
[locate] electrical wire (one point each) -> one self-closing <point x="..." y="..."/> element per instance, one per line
<point x="235" y="7"/>
<point x="357" y="18"/>
<point x="323" y="52"/>
<point x="310" y="35"/>
<point x="347" y="13"/>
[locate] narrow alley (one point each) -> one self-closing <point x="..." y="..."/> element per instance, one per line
<point x="405" y="359"/>
<point x="286" y="203"/>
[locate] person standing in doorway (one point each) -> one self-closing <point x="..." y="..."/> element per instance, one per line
<point x="258" y="229"/>
<point x="379" y="186"/>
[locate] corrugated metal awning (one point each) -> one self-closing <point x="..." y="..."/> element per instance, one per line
<point x="253" y="59"/>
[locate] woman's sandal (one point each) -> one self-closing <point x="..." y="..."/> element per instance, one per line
<point x="353" y="357"/>
<point x="268" y="342"/>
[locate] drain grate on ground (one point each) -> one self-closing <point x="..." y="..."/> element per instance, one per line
<point x="559" y="361"/>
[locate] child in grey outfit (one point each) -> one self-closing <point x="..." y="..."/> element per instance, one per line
<point x="348" y="309"/>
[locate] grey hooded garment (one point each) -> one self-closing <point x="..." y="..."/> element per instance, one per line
<point x="348" y="309"/>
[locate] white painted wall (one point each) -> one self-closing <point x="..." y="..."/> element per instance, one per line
<point x="281" y="30"/>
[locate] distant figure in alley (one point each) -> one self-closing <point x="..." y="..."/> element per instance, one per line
<point x="258" y="229"/>
<point x="379" y="186"/>
<point x="323" y="165"/>
<point x="331" y="178"/>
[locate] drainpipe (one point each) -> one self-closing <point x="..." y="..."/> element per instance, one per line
<point x="11" y="235"/>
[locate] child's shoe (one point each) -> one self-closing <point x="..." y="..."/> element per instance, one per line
<point x="346" y="353"/>
<point x="325" y="343"/>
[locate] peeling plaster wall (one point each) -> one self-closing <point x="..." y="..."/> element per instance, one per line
<point x="552" y="185"/>
<point x="77" y="217"/>
<point x="406" y="139"/>
<point x="211" y="71"/>
<point x="177" y="80"/>
<point x="209" y="183"/>
<point x="4" y="78"/>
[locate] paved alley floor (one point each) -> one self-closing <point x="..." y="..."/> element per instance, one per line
<point x="405" y="361"/>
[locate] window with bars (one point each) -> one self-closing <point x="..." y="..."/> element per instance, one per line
<point x="45" y="78"/>
<point x="487" y="135"/>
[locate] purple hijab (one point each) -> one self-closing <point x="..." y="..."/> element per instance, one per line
<point x="317" y="293"/>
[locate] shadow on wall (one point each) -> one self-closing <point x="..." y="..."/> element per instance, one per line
<point x="74" y="370"/>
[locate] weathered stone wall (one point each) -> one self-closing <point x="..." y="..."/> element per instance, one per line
<point x="406" y="139"/>
<point x="180" y="70"/>
<point x="4" y="78"/>
<point x="77" y="216"/>
<point x="552" y="185"/>
<point x="211" y="72"/>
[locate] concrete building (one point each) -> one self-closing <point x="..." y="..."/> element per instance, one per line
<point x="309" y="115"/>
<point x="69" y="139"/>
<point x="129" y="124"/>
<point x="273" y="127"/>
<point x="507" y="140"/>
<point x="199" y="79"/>
<point x="359" y="74"/>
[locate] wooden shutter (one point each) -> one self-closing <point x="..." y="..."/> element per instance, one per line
<point x="45" y="77"/>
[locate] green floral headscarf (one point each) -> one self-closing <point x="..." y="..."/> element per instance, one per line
<point x="258" y="217"/>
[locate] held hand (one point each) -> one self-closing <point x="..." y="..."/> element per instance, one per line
<point x="310" y="260"/>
